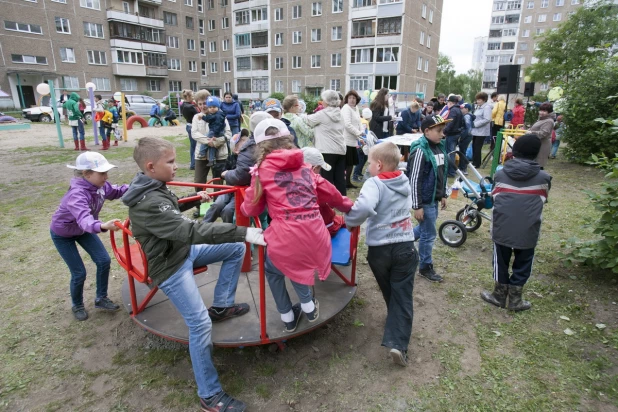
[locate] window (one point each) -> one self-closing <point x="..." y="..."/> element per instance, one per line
<point x="363" y="3"/>
<point x="227" y="66"/>
<point x="225" y="22"/>
<point x="422" y="39"/>
<point x="359" y="82"/>
<point x="259" y="39"/>
<point x="495" y="33"/>
<point x="67" y="55"/>
<point x="316" y="35"/>
<point x="243" y="40"/>
<point x="429" y="42"/>
<point x="363" y="28"/>
<point x="18" y="58"/>
<point x="512" y="18"/>
<point x="530" y="5"/>
<point x="509" y="32"/>
<point x="225" y="44"/>
<point x="129" y="57"/>
<point x="279" y="14"/>
<point x="189" y="22"/>
<point x="424" y="11"/>
<point x="189" y="3"/>
<point x="201" y="26"/>
<point x="534" y="60"/>
<point x="297" y="12"/>
<point x="192" y="66"/>
<point x="497" y="20"/>
<point x="63" y="26"/>
<point x="278" y="39"/>
<point x="387" y="54"/>
<point x="390" y="82"/>
<point x="490" y="74"/>
<point x="513" y="5"/>
<point x="26" y="28"/>
<point x="544" y="86"/>
<point x="243" y="63"/>
<point x="506" y="59"/>
<point x="335" y="84"/>
<point x="499" y="6"/>
<point x="521" y="60"/>
<point x="336" y="33"/>
<point x="242" y="17"/>
<point x="93" y="30"/>
<point x="278" y="63"/>
<point x="295" y="86"/>
<point x="260" y="85"/>
<point x="172" y="42"/>
<point x="525" y="33"/>
<point x="528" y="19"/>
<point x="260" y="14"/>
<point x="544" y="4"/>
<point x="540" y="31"/>
<point x="316" y="9"/>
<point x="557" y="16"/>
<point x="508" y="46"/>
<point x="419" y="66"/>
<point x="96" y="57"/>
<point x="430" y="16"/>
<point x="279" y="86"/>
<point x="297" y="62"/>
<point x="523" y="46"/>
<point x="316" y="61"/>
<point x="204" y="69"/>
<point x="392" y="25"/>
<point x="193" y="86"/>
<point x="243" y="85"/>
<point x="200" y="6"/>
<point x="175" y="85"/>
<point x="214" y="67"/>
<point x="297" y="37"/>
<point x="337" y="6"/>
<point x="190" y="44"/>
<point x="90" y="4"/>
<point x="211" y="25"/>
<point x="102" y="83"/>
<point x="361" y="56"/>
<point x="128" y="85"/>
<point x="60" y="1"/>
<point x="227" y="87"/>
<point x="574" y="2"/>
<point x="542" y="18"/>
<point x="202" y="48"/>
<point x="426" y="65"/>
<point x="211" y="4"/>
<point x="492" y="59"/>
<point x="70" y="82"/>
<point x="174" y="64"/>
<point x="335" y="60"/>
<point x="171" y="19"/>
<point x="212" y="46"/>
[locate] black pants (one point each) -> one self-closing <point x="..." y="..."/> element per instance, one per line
<point x="202" y="167"/>
<point x="477" y="150"/>
<point x="522" y="265"/>
<point x="495" y="128"/>
<point x="336" y="175"/>
<point x="394" y="266"/>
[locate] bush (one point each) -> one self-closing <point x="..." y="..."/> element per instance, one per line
<point x="174" y="104"/>
<point x="602" y="253"/>
<point x="310" y="101"/>
<point x="278" y="96"/>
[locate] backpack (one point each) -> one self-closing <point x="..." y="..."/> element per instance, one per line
<point x="508" y="116"/>
<point x="107" y="117"/>
<point x="115" y="115"/>
<point x="154" y="110"/>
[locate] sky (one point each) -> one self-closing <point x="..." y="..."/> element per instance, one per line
<point x="462" y="21"/>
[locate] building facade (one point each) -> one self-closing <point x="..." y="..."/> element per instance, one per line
<point x="479" y="53"/>
<point x="250" y="47"/>
<point x="515" y="25"/>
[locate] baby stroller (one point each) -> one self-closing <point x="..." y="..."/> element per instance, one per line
<point x="454" y="232"/>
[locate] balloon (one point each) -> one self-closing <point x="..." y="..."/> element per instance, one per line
<point x="527" y="79"/>
<point x="555" y="93"/>
<point x="117" y="96"/>
<point x="366" y="93"/>
<point x="42" y="89"/>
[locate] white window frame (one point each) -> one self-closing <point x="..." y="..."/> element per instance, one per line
<point x="362" y="55"/>
<point x="225" y="23"/>
<point x="389" y="50"/>
<point x="189" y="3"/>
<point x="335" y="84"/>
<point x="336" y="60"/>
<point x="212" y="25"/>
<point x="192" y="65"/>
<point x="279" y="14"/>
<point x="101" y="54"/>
<point x="227" y="66"/>
<point x="316" y="35"/>
<point x="557" y="17"/>
<point x="426" y="65"/>
<point x="212" y="47"/>
<point x="90" y="4"/>
<point x="227" y="87"/>
<point x="542" y="18"/>
<point x="527" y="19"/>
<point x="214" y="67"/>
<point x="191" y="44"/>
<point x="62" y="21"/>
<point x="259" y="14"/>
<point x="202" y="47"/>
<point x="103" y="84"/>
<point x="428" y="41"/>
<point x="297" y="37"/>
<point x="69" y="56"/>
<point x="431" y="16"/>
<point x="316" y="61"/>
<point x="29" y="29"/>
<point x="204" y="72"/>
<point x="316" y="9"/>
<point x="201" y="25"/>
<point x="278" y="63"/>
<point x="337" y="6"/>
<point x="525" y="33"/>
<point x="225" y="44"/>
<point x="96" y="26"/>
<point x="278" y="39"/>
<point x="336" y="33"/>
<point x="173" y="42"/>
<point x="530" y="5"/>
<point x="70" y="82"/>
<point x="297" y="62"/>
<point x="128" y="84"/>
<point x="544" y="4"/>
<point x="419" y="65"/>
<point x="28" y="59"/>
<point x="297" y="12"/>
<point x="424" y="11"/>
<point x="296" y="86"/>
<point x="422" y="38"/>
<point x="521" y="60"/>
<point x="175" y="85"/>
<point x="133" y="57"/>
<point x="279" y="86"/>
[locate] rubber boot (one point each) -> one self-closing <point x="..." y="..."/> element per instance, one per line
<point x="498" y="296"/>
<point x="105" y="145"/>
<point x="82" y="145"/>
<point x="115" y="142"/>
<point x="76" y="144"/>
<point x="516" y="302"/>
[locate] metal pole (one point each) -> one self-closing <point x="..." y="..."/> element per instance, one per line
<point x="54" y="106"/>
<point x="124" y="118"/>
<point x="94" y="122"/>
<point x="22" y="104"/>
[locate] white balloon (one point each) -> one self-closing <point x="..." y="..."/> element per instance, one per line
<point x="92" y="86"/>
<point x="117" y="96"/>
<point x="42" y="89"/>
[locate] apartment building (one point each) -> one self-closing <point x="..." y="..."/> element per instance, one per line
<point x="515" y="25"/>
<point x="479" y="53"/>
<point x="249" y="47"/>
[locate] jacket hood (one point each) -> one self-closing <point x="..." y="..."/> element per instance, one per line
<point x="334" y="113"/>
<point x="74" y="96"/>
<point x="284" y="159"/>
<point x="400" y="185"/>
<point x="140" y="186"/>
<point x="521" y="169"/>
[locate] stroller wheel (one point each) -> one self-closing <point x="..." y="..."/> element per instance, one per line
<point x="469" y="218"/>
<point x="453" y="233"/>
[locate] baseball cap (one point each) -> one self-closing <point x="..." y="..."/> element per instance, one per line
<point x="260" y="131"/>
<point x="272" y="105"/>
<point x="431" y="121"/>
<point x="467" y="106"/>
<point x="315" y="158"/>
<point x="213" y="101"/>
<point x="256" y="118"/>
<point x="453" y="98"/>
<point x="92" y="161"/>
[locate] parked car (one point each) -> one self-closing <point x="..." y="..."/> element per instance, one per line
<point x="45" y="113"/>
<point x="140" y="104"/>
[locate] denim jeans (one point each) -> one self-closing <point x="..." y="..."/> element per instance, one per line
<point x="425" y="233"/>
<point x="102" y="130"/>
<point x="79" y="128"/>
<point x="192" y="144"/>
<point x="224" y="207"/>
<point x="394" y="266"/>
<point x="554" y="148"/>
<point x="358" y="169"/>
<point x="182" y="291"/>
<point x="91" y="243"/>
<point x="451" y="145"/>
<point x="276" y="281"/>
<point x="235" y="129"/>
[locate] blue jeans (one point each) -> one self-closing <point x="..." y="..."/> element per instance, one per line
<point x="554" y="148"/>
<point x="67" y="247"/>
<point x="276" y="281"/>
<point x="79" y="128"/>
<point x="182" y="291"/>
<point x="358" y="169"/>
<point x="425" y="233"/>
<point x="451" y="145"/>
<point x="101" y="130"/>
<point x="224" y="207"/>
<point x="235" y="129"/>
<point x="192" y="144"/>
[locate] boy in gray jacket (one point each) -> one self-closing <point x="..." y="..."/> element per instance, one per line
<point x="520" y="192"/>
<point x="385" y="202"/>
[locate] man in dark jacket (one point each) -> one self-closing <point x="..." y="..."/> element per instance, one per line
<point x="410" y="119"/>
<point x="452" y="131"/>
<point x="520" y="192"/>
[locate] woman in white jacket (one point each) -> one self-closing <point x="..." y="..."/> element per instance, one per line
<point x="351" y="133"/>
<point x="328" y="127"/>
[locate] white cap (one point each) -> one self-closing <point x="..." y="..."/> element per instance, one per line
<point x="92" y="161"/>
<point x="367" y="113"/>
<point x="259" y="133"/>
<point x="256" y="118"/>
<point x="315" y="158"/>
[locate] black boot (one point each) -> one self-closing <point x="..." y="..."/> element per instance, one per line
<point x="516" y="303"/>
<point x="498" y="296"/>
<point x="430" y="274"/>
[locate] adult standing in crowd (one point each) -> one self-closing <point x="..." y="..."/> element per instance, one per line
<point x="519" y="112"/>
<point x="428" y="110"/>
<point x="439" y="105"/>
<point x="453" y="130"/>
<point x="232" y="112"/>
<point x="497" y="115"/>
<point x="381" y="123"/>
<point x="188" y="110"/>
<point x="242" y="109"/>
<point x="482" y="127"/>
<point x="328" y="128"/>
<point x="543" y="129"/>
<point x="410" y="119"/>
<point x="291" y="109"/>
<point x="351" y="133"/>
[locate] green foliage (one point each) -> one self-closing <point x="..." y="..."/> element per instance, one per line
<point x="174" y="104"/>
<point x="532" y="111"/>
<point x="278" y="96"/>
<point x="602" y="253"/>
<point x="147" y="93"/>
<point x="447" y="81"/>
<point x="310" y="101"/>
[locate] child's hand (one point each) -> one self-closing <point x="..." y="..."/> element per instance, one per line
<point x="443" y="203"/>
<point x="223" y="174"/>
<point x="110" y="225"/>
<point x="255" y="236"/>
<point x="419" y="214"/>
<point x="199" y="116"/>
<point x="205" y="197"/>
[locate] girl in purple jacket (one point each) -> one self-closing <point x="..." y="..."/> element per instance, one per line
<point x="77" y="221"/>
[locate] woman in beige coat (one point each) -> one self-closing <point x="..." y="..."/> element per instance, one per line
<point x="543" y="129"/>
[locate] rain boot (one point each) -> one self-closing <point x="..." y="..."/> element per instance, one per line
<point x="516" y="303"/>
<point x="105" y="145"/>
<point x="76" y="144"/>
<point x="115" y="142"/>
<point x="82" y="145"/>
<point x="498" y="296"/>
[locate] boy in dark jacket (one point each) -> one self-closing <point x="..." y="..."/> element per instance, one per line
<point x="453" y="130"/>
<point x="173" y="245"/>
<point x="410" y="119"/>
<point x="427" y="170"/>
<point x="216" y="127"/>
<point x="520" y="192"/>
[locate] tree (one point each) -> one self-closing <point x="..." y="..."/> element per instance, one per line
<point x="467" y="84"/>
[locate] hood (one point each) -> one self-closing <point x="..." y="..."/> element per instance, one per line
<point x="248" y="143"/>
<point x="284" y="160"/>
<point x="81" y="183"/>
<point x="235" y="97"/>
<point x="226" y="104"/>
<point x="334" y="113"/>
<point x="74" y="97"/>
<point x="140" y="186"/>
<point x="521" y="169"/>
<point x="286" y="121"/>
<point x="399" y="185"/>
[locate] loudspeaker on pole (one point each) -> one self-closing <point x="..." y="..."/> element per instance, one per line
<point x="508" y="78"/>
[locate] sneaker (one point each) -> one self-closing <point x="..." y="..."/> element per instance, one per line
<point x="291" y="326"/>
<point x="313" y="316"/>
<point x="80" y="312"/>
<point x="400" y="357"/>
<point x="105" y="304"/>
<point x="219" y="315"/>
<point x="429" y="274"/>
<point x="222" y="402"/>
<point x="465" y="172"/>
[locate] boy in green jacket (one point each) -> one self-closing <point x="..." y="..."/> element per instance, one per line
<point x="174" y="245"/>
<point x="76" y="120"/>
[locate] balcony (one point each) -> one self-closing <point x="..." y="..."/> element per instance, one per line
<point x="131" y="70"/>
<point x="136" y="33"/>
<point x="121" y="16"/>
<point x="155" y="71"/>
<point x="155" y="2"/>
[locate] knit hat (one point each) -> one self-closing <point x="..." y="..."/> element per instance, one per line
<point x="432" y="121"/>
<point x="260" y="131"/>
<point x="213" y="101"/>
<point x="527" y="146"/>
<point x="256" y="118"/>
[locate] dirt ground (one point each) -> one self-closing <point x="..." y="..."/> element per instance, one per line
<point x="464" y="355"/>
